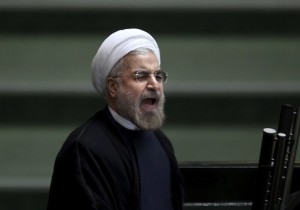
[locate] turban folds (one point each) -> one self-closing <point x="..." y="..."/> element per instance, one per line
<point x="115" y="47"/>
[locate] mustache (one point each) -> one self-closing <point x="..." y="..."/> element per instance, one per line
<point x="154" y="95"/>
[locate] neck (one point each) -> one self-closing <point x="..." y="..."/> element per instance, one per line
<point x="122" y="121"/>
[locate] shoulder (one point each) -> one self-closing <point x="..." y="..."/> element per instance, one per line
<point x="94" y="132"/>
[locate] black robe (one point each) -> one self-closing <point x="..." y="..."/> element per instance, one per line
<point x="97" y="170"/>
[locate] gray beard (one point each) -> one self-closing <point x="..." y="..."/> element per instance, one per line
<point x="129" y="108"/>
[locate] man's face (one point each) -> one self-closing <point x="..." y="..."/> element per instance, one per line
<point x="141" y="101"/>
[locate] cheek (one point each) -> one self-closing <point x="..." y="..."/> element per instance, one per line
<point x="137" y="90"/>
<point x="138" y="93"/>
<point x="161" y="89"/>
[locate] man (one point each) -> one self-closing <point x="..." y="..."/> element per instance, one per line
<point x="119" y="159"/>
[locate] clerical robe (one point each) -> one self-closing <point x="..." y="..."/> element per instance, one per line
<point x="96" y="169"/>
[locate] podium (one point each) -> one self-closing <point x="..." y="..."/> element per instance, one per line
<point x="276" y="162"/>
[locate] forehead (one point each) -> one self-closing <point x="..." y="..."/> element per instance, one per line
<point x="147" y="61"/>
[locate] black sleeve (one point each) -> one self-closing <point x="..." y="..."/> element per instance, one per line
<point x="77" y="182"/>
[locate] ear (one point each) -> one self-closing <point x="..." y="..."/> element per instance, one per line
<point x="112" y="87"/>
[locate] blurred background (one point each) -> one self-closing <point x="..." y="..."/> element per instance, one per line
<point x="231" y="66"/>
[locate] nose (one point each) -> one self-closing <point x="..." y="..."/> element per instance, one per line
<point x="152" y="83"/>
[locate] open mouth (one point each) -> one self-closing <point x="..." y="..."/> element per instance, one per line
<point x="149" y="103"/>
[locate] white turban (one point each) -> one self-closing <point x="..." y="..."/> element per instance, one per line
<point x="115" y="47"/>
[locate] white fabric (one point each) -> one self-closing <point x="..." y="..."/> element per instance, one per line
<point x="116" y="46"/>
<point x="122" y="121"/>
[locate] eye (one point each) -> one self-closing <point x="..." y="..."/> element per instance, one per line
<point x="161" y="76"/>
<point x="141" y="75"/>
